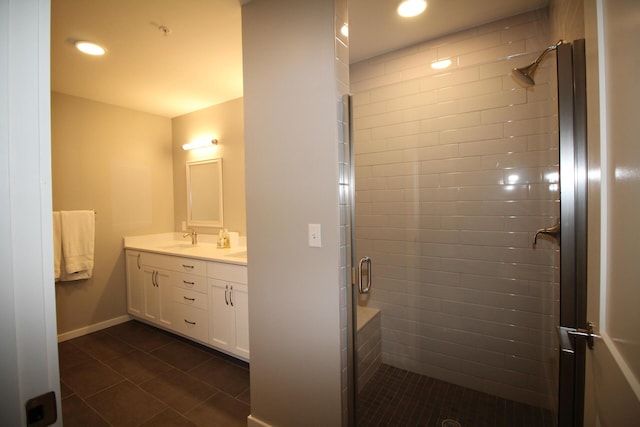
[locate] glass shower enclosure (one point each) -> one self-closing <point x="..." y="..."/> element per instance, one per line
<point x="455" y="171"/>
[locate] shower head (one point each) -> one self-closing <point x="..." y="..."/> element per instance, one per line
<point x="524" y="75"/>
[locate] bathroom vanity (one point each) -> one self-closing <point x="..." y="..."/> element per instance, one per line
<point x="197" y="291"/>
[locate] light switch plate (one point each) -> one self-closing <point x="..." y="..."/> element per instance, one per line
<point x="315" y="236"/>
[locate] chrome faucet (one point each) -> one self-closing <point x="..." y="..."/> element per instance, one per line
<point x="194" y="236"/>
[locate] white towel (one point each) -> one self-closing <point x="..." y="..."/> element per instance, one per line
<point x="78" y="236"/>
<point x="57" y="245"/>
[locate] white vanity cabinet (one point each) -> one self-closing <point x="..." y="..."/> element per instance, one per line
<point x="156" y="284"/>
<point x="191" y="306"/>
<point x="229" y="308"/>
<point x="146" y="288"/>
<point x="229" y="321"/>
<point x="203" y="300"/>
<point x="153" y="284"/>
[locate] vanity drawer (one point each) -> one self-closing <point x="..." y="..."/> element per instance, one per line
<point x="187" y="265"/>
<point x="190" y="298"/>
<point x="174" y="263"/>
<point x="190" y="282"/>
<point x="191" y="321"/>
<point x="227" y="272"/>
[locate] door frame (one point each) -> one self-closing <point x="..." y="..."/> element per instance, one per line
<point x="612" y="395"/>
<point x="352" y="362"/>
<point x="29" y="351"/>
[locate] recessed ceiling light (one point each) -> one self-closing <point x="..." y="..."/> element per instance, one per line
<point x="89" y="48"/>
<point x="409" y="8"/>
<point x="439" y="65"/>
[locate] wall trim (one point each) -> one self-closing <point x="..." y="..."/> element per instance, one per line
<point x="255" y="422"/>
<point x="93" y="328"/>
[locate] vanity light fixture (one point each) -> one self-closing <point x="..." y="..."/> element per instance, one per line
<point x="410" y="8"/>
<point x="200" y="143"/>
<point x="89" y="48"/>
<point x="442" y="64"/>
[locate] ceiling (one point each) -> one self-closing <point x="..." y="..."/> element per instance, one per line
<point x="198" y="62"/>
<point x="376" y="28"/>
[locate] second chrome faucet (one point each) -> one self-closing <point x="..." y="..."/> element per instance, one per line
<point x="194" y="236"/>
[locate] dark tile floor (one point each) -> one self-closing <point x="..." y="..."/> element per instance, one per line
<point x="135" y="375"/>
<point x="395" y="397"/>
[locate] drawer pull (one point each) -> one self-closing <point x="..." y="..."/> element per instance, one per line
<point x="189" y="299"/>
<point x="226" y="289"/>
<point x="187" y="266"/>
<point x="188" y="283"/>
<point x="190" y="323"/>
<point x="231" y="296"/>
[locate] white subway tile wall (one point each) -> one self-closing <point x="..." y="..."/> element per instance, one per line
<point x="455" y="170"/>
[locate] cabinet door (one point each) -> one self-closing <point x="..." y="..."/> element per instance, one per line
<point x="135" y="283"/>
<point x="240" y="300"/>
<point x="156" y="298"/>
<point x="221" y="315"/>
<point x="165" y="304"/>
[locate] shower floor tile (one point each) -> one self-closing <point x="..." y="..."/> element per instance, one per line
<point x="395" y="397"/>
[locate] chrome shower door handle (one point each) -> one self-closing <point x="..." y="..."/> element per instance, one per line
<point x="587" y="334"/>
<point x="364" y="271"/>
<point x="553" y="231"/>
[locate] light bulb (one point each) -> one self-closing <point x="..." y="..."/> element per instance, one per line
<point x="89" y="48"/>
<point x="409" y="8"/>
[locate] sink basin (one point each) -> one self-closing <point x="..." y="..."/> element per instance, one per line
<point x="204" y="249"/>
<point x="179" y="246"/>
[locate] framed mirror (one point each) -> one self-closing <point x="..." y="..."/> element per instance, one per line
<point x="204" y="193"/>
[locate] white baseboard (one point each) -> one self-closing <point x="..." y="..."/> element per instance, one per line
<point x="254" y="422"/>
<point x="93" y="328"/>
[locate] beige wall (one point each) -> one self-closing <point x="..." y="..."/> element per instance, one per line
<point x="225" y="122"/>
<point x="292" y="152"/>
<point x="118" y="162"/>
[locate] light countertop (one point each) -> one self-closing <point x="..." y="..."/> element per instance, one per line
<point x="175" y="244"/>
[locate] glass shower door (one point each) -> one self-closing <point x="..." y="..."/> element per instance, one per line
<point x="460" y="323"/>
<point x="455" y="170"/>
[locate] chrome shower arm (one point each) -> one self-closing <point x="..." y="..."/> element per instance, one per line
<point x="547" y="50"/>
